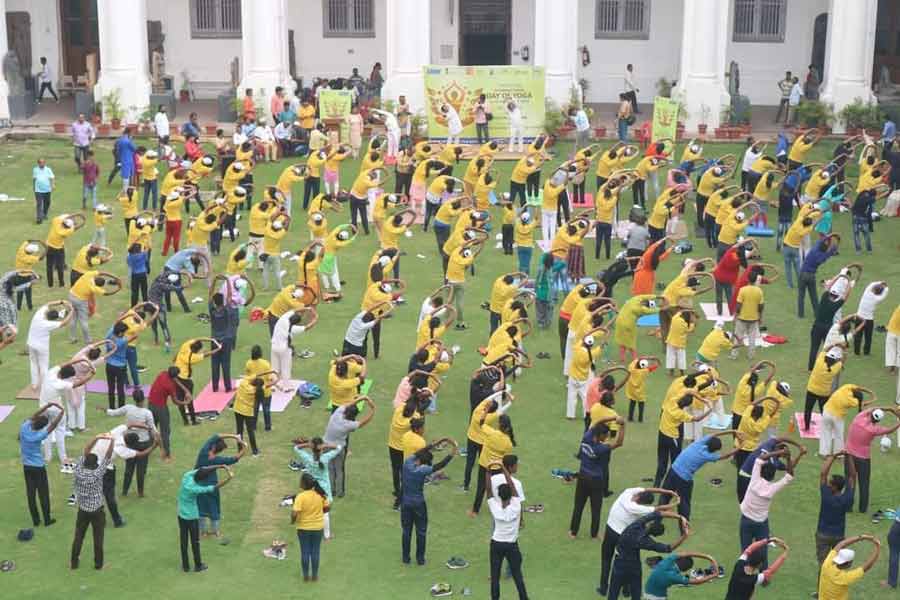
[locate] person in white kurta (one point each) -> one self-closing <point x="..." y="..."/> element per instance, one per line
<point x="454" y="124"/>
<point x="55" y="384"/>
<point x="393" y="130"/>
<point x="45" y="321"/>
<point x="516" y="127"/>
<point x="75" y="397"/>
<point x="287" y="326"/>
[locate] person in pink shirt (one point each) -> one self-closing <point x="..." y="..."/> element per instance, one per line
<point x="863" y="429"/>
<point x="758" y="499"/>
<point x="276" y="103"/>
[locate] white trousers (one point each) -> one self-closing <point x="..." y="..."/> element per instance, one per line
<point x="272" y="267"/>
<point x="39" y="358"/>
<point x="288" y="198"/>
<point x="516" y="133"/>
<point x="75" y="408"/>
<point x="548" y="225"/>
<point x="327" y="527"/>
<point x="281" y="363"/>
<point x="831" y="434"/>
<point x="575" y="390"/>
<point x="58" y="437"/>
<point x="676" y="358"/>
<point x="393" y="143"/>
<point x="567" y="358"/>
<point x="693" y="430"/>
<point x="892" y="350"/>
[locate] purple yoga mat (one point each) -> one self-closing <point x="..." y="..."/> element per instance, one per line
<point x="98" y="386"/>
<point x="5" y="409"/>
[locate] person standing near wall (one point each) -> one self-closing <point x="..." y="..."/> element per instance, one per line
<point x="45" y="79"/>
<point x="631" y="89"/>
<point x="784" y="87"/>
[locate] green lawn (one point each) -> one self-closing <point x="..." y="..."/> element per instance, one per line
<point x="363" y="560"/>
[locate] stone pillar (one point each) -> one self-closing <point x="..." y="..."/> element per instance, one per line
<point x="556" y="46"/>
<point x="124" y="63"/>
<point x="408" y="50"/>
<point x="264" y="50"/>
<point x="850" y="54"/>
<point x="704" y="40"/>
<point x="4" y="87"/>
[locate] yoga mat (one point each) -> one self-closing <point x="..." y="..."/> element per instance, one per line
<point x="712" y="422"/>
<point x="813" y="432"/>
<point x="588" y="201"/>
<point x="5" y="409"/>
<point x="709" y="311"/>
<point x="98" y="386"/>
<point x="649" y="321"/>
<point x="208" y="400"/>
<point x="759" y="231"/>
<point x="27" y="393"/>
<point x="280" y="400"/>
<point x="365" y="387"/>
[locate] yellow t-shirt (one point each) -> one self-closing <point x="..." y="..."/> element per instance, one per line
<point x="310" y="508"/>
<point x="580" y="367"/>
<point x="84" y="288"/>
<point x="799" y="149"/>
<point x="841" y="401"/>
<point x="474" y="432"/>
<point x="411" y="442"/>
<point x="399" y="427"/>
<point x="636" y="386"/>
<point x="524" y="234"/>
<point x="821" y="378"/>
<point x="605" y="206"/>
<point x="551" y="196"/>
<point x="672" y="416"/>
<point x="496" y="445"/>
<point x="149" y="172"/>
<point x="742" y="393"/>
<point x="82" y="263"/>
<point x="601" y="411"/>
<point x="185" y="359"/>
<point x="678" y="331"/>
<point x="750" y="298"/>
<point x="58" y="235"/>
<point x="287" y="179"/>
<point x="893" y="325"/>
<point x="834" y="583"/>
<point x="752" y="429"/>
<point x="713" y="344"/>
<point x="456" y="269"/>
<point x="245" y="397"/>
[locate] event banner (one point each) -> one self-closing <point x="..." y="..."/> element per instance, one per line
<point x="665" y="118"/>
<point x="460" y="87"/>
<point x="336" y="104"/>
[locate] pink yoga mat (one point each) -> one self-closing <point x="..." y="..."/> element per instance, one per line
<point x="208" y="400"/>
<point x="4" y="411"/>
<point x="280" y="400"/>
<point x="98" y="386"/>
<point x="813" y="432"/>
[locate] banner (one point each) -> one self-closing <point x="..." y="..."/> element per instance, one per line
<point x="336" y="104"/>
<point x="665" y="118"/>
<point x="460" y="87"/>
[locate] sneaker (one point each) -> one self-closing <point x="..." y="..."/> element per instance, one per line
<point x="141" y="369"/>
<point x="460" y="326"/>
<point x="440" y="590"/>
<point x="69" y="433"/>
<point x="306" y="353"/>
<point x="71" y="500"/>
<point x="295" y="466"/>
<point x="457" y="562"/>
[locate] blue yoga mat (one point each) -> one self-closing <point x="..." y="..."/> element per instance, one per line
<point x="760" y="231"/>
<point x="649" y="321"/>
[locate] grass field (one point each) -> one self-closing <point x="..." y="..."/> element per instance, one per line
<point x="363" y="561"/>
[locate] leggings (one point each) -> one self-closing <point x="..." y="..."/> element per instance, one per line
<point x="310" y="545"/>
<point x="811" y="400"/>
<point x="473" y="451"/>
<point x="26" y="294"/>
<point x="358" y="207"/>
<point x="163" y="321"/>
<point x="700" y="202"/>
<point x="130" y="465"/>
<point x="638" y="190"/>
<point x="604" y="236"/>
<point x="396" y="458"/>
<point x="264" y="402"/>
<point x="115" y="383"/>
<point x="56" y="261"/>
<point x="310" y="190"/>
<point x="239" y="421"/>
<point x="578" y="191"/>
<point x="189" y="528"/>
<point x="667" y="450"/>
<point x="138" y="287"/>
<point x="562" y="209"/>
<point x="479" y="490"/>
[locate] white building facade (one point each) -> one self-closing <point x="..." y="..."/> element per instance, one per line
<point x="281" y="41"/>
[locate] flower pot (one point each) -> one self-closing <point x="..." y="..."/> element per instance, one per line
<point x="96" y="119"/>
<point x="701" y="128"/>
<point x="116" y="123"/>
<point x="103" y="129"/>
<point x="600" y="132"/>
<point x="211" y="129"/>
<point x="184" y="95"/>
<point x="720" y="133"/>
<point x="59" y="128"/>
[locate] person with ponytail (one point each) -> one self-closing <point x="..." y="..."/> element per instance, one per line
<point x="309" y="514"/>
<point x="497" y="444"/>
<point x="314" y="456"/>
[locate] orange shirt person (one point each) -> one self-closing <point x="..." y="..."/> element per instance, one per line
<point x="645" y="271"/>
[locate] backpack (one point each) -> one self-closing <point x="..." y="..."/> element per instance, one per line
<point x="309" y="391"/>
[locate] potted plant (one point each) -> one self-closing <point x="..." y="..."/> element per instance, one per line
<point x="705" y="112"/>
<point x="103" y="129"/>
<point x="184" y="92"/>
<point x="813" y="113"/>
<point x="553" y="117"/>
<point x="664" y="87"/>
<point x="112" y="108"/>
<point x="418" y="126"/>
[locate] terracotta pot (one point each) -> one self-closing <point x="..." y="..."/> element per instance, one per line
<point x="59" y="128"/>
<point x="184" y="96"/>
<point x="116" y="123"/>
<point x="103" y="129"/>
<point x="701" y="128"/>
<point x="211" y="129"/>
<point x="600" y="132"/>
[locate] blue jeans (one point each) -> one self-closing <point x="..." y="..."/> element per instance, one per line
<point x="752" y="531"/>
<point x="791" y="262"/>
<point x="861" y="228"/>
<point x="783" y="227"/>
<point x="310" y="544"/>
<point x="623" y="130"/>
<point x="413" y="515"/>
<point x="89" y="190"/>
<point x="131" y="359"/>
<point x="524" y="254"/>
<point x="894" y="556"/>
<point x="151" y="188"/>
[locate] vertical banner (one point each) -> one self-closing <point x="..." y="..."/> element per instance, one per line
<point x="336" y="104"/>
<point x="460" y="87"/>
<point x="665" y="118"/>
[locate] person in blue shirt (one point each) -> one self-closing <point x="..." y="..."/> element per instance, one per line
<point x="626" y="570"/>
<point x="680" y="478"/>
<point x="124" y="152"/>
<point x="782" y="146"/>
<point x="888" y="133"/>
<point x="188" y="260"/>
<point x="671" y="571"/>
<point x="116" y="365"/>
<point x="209" y="506"/>
<point x="138" y="267"/>
<point x="836" y="493"/>
<point x="593" y="474"/>
<point x="31" y="434"/>
<point x="190" y="127"/>
<point x="806" y="280"/>
<point x="413" y="511"/>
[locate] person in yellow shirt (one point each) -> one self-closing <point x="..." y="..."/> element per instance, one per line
<point x="440" y="187"/>
<point x="715" y="342"/>
<point x="585" y="352"/>
<point x="639" y="370"/>
<point x="838" y="572"/>
<point x="313" y="183"/>
<point x="750" y="387"/>
<point x="308" y="513"/>
<point x="150" y="176"/>
<point x="749" y="314"/>
<point x="683" y="323"/>
<point x="338" y="238"/>
<point x="801" y="147"/>
<point x="831" y="430"/>
<point x="61" y="228"/>
<point x="645" y="167"/>
<point x="172" y="205"/>
<point x="605" y="204"/>
<point x="801" y="227"/>
<point x="191" y="353"/>
<point x="289" y="177"/>
<point x="667" y="205"/>
<point x="525" y="166"/>
<point x="331" y="176"/>
<point x="83" y="294"/>
<point x="365" y="182"/>
<point x="128" y="200"/>
<point x="826" y="368"/>
<point x="270" y="256"/>
<point x="892" y="342"/>
<point x="413" y="440"/>
<point x="28" y="254"/>
<point x="523" y="236"/>
<point x="754" y="423"/>
<point x="102" y="216"/>
<point x="477" y="167"/>
<point x="554" y="187"/>
<point x="498" y="442"/>
<point x="460" y="259"/>
<point x="732" y="227"/>
<point x="345" y="375"/>
<point x="89" y="258"/>
<point x="668" y="445"/>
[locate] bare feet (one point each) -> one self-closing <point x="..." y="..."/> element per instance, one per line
<point x="472" y="514"/>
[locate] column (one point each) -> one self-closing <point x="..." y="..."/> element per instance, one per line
<point x="124" y="63"/>
<point x="4" y="87"/>
<point x="556" y="46"/>
<point x="850" y="54"/>
<point x="408" y="50"/>
<point x="704" y="40"/>
<point x="264" y="50"/>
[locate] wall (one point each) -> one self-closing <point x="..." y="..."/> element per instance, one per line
<point x="654" y="58"/>
<point x="763" y="65"/>
<point x="522" y="31"/>
<point x="443" y="32"/>
<point x="203" y="59"/>
<point x="333" y="57"/>
<point x="45" y="34"/>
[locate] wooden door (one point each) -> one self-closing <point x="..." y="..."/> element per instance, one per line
<point x="18" y="31"/>
<point x="80" y="34"/>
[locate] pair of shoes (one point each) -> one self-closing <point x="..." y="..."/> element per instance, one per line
<point x="440" y="590"/>
<point x="460" y="326"/>
<point x="543" y="355"/>
<point x="200" y="567"/>
<point x="70" y="501"/>
<point x="67" y="468"/>
<point x="295" y="466"/>
<point x="306" y="353"/>
<point x="535" y="508"/>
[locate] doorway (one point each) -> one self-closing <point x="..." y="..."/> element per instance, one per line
<point x="80" y="34"/>
<point x="485" y="32"/>
<point x="820" y="39"/>
<point x="18" y="32"/>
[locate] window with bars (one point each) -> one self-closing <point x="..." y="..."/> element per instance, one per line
<point x="759" y="20"/>
<point x="622" y="19"/>
<point x="348" y="18"/>
<point x="216" y="18"/>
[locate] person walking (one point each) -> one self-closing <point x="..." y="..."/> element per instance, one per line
<point x="83" y="135"/>
<point x="413" y="510"/>
<point x="45" y="79"/>
<point x="506" y="509"/>
<point x="44" y="182"/>
<point x="89" y="475"/>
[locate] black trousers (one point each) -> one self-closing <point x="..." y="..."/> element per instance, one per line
<point x="37" y="486"/>
<point x="683" y="488"/>
<point x="588" y="488"/>
<point x="56" y="261"/>
<point x="562" y="208"/>
<point x="562" y="326"/>
<point x="517" y="190"/>
<point x="701" y="209"/>
<point x="817" y="335"/>
<point x="132" y="464"/>
<point x="189" y="528"/>
<point x="48" y="86"/>
<point x="533" y="184"/>
<point x="603" y="236"/>
<point x="189" y="409"/>
<point x="396" y="458"/>
<point x="866" y="333"/>
<point x="506" y="236"/>
<point x="138" y="287"/>
<point x="607" y="551"/>
<point x="863" y="475"/>
<point x="239" y="422"/>
<point x="26" y="294"/>
<point x="358" y="209"/>
<point x="265" y="403"/>
<point x="431" y="210"/>
<point x="109" y="493"/>
<point x="479" y="489"/>
<point x="310" y="190"/>
<point x="639" y="191"/>
<point x="221" y="365"/>
<point x="115" y="383"/>
<point x="578" y="191"/>
<point x="811" y="400"/>
<point x="97" y="522"/>
<point x="402" y="183"/>
<point x="473" y="451"/>
<point x="709" y="228"/>
<point x="510" y="552"/>
<point x="163" y="424"/>
<point x="667" y="450"/>
<point x="743" y="483"/>
<point x="376" y="340"/>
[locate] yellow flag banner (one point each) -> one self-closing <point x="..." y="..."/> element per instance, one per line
<point x="665" y="118"/>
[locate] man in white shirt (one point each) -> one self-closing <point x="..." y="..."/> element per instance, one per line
<point x="631" y="88"/>
<point x="358" y="332"/>
<point x="282" y="135"/>
<point x="124" y="443"/>
<point x="46" y="320"/>
<point x="57" y="382"/>
<point x="872" y="296"/>
<point x="794" y="101"/>
<point x="516" y="126"/>
<point x="392" y="125"/>
<point x="631" y="505"/>
<point x="45" y="78"/>
<point x="506" y="509"/>
<point x="161" y="125"/>
<point x="287" y="326"/>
